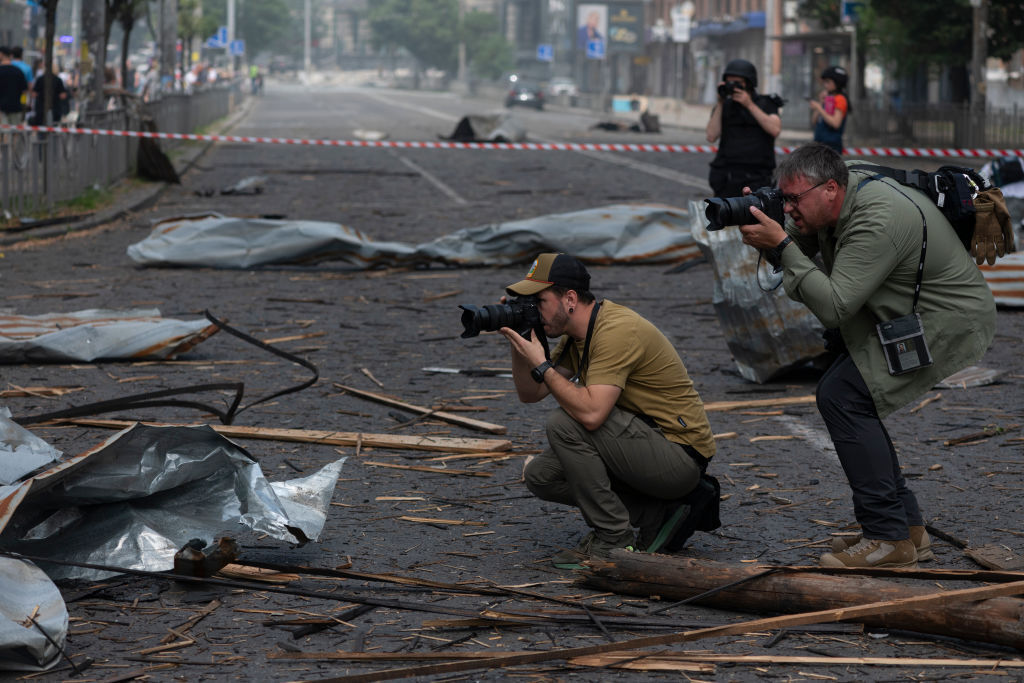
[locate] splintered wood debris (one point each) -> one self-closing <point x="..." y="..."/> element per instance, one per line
<point x="332" y="438"/>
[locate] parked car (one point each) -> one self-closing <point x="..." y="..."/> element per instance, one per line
<point x="525" y="93"/>
<point x="563" y="85"/>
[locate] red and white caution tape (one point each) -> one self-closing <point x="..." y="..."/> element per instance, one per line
<point x="926" y="152"/>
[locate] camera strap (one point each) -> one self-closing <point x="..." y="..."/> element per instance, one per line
<point x="585" y="357"/>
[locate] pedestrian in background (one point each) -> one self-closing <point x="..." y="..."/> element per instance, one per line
<point x="12" y="90"/>
<point x="747" y="123"/>
<point x="831" y="108"/>
<point x="16" y="59"/>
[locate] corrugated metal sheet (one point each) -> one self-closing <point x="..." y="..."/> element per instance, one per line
<point x="96" y="333"/>
<point x="767" y="332"/>
<point x="1006" y="279"/>
<point x="622" y="233"/>
<point x="138" y="497"/>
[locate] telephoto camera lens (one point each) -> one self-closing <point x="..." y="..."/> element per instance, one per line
<point x="520" y="314"/>
<point x="736" y="210"/>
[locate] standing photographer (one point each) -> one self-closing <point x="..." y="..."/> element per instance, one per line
<point x="630" y="441"/>
<point x="891" y="262"/>
<point x="747" y="124"/>
<point x="830" y="110"/>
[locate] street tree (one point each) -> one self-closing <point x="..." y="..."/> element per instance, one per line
<point x="914" y="34"/>
<point x="125" y="13"/>
<point x="427" y="29"/>
<point x="487" y="51"/>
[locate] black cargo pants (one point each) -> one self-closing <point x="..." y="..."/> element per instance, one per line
<point x="882" y="503"/>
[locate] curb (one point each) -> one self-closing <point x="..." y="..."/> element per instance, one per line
<point x="133" y="201"/>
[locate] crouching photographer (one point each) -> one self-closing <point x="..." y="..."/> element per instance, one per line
<point x="629" y="441"/>
<point x="911" y="307"/>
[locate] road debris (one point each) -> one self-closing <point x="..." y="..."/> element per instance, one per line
<point x="470" y="423"/>
<point x="620" y="233"/>
<point x="96" y="334"/>
<point x="163" y="485"/>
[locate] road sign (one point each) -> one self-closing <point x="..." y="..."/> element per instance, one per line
<point x="218" y="39"/>
<point x="595" y="49"/>
<point x="237" y="48"/>
<point x="545" y="53"/>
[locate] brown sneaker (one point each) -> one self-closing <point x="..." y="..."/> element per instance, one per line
<point x="918" y="534"/>
<point x="874" y="553"/>
<point x="591" y="546"/>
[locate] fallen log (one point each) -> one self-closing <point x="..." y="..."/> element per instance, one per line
<point x="994" y="620"/>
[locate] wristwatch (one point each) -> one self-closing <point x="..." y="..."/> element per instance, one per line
<point x="780" y="246"/>
<point x="538" y="372"/>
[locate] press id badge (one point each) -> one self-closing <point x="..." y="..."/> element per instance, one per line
<point x="903" y="344"/>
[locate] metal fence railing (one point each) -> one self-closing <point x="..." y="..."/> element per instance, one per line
<point x="936" y="125"/>
<point x="40" y="170"/>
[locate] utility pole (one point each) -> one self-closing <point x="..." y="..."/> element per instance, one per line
<point x="979" y="55"/>
<point x="462" y="43"/>
<point x="770" y="30"/>
<point x="231" y="33"/>
<point x="308" y="40"/>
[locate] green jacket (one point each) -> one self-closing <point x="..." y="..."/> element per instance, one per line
<point x="870" y="261"/>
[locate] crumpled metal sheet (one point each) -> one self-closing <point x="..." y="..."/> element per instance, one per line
<point x="971" y="376"/>
<point x="1006" y="278"/>
<point x="26" y="590"/>
<point x="136" y="499"/>
<point x="621" y="233"/>
<point x="767" y="332"/>
<point x="488" y="128"/>
<point x="92" y="334"/>
<point x="21" y="451"/>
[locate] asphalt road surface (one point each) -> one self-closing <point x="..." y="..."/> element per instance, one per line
<point x="783" y="497"/>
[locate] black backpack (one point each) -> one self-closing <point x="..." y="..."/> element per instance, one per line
<point x="951" y="188"/>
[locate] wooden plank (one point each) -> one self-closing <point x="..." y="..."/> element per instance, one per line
<point x="760" y="403"/>
<point x="469" y="422"/>
<point x="434" y="470"/>
<point x="672" y="661"/>
<point x="421" y="443"/>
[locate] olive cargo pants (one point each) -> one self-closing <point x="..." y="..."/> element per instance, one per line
<point x="617" y="475"/>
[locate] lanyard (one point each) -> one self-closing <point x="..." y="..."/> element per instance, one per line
<point x="924" y="240"/>
<point x="586" y="347"/>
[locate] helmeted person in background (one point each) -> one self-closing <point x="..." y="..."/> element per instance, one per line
<point x="831" y="109"/>
<point x="890" y="261"/>
<point x="747" y="123"/>
<point x="629" y="441"/>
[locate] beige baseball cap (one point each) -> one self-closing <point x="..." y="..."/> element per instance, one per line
<point x="552" y="270"/>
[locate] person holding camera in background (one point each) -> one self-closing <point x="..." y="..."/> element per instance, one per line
<point x="747" y="123"/>
<point x="831" y="109"/>
<point x="910" y="307"/>
<point x="629" y="441"/>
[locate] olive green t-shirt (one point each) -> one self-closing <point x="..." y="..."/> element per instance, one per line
<point x="629" y="352"/>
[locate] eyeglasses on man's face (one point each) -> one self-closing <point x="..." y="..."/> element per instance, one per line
<point x="794" y="199"/>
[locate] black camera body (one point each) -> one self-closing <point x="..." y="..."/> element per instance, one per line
<point x="519" y="313"/>
<point x="726" y="90"/>
<point x="736" y="210"/>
